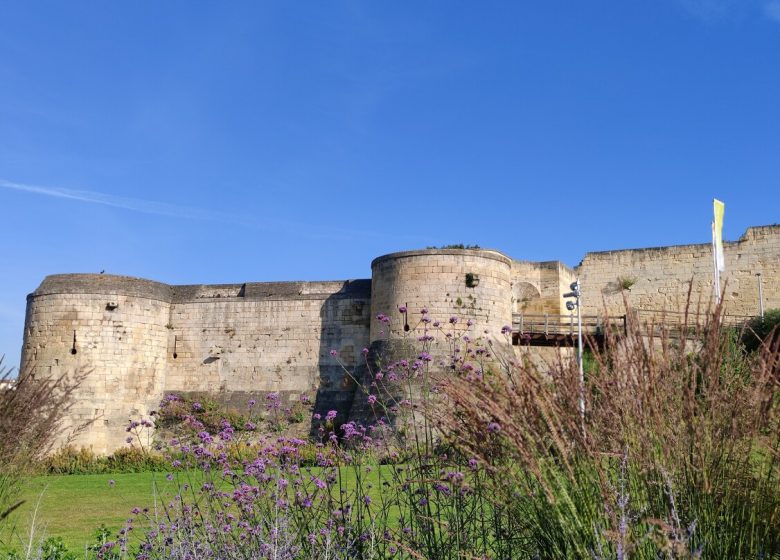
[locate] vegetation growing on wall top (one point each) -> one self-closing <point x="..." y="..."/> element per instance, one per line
<point x="454" y="246"/>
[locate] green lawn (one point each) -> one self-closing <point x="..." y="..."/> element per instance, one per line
<point x="73" y="506"/>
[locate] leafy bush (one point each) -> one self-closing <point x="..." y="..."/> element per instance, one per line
<point x="759" y="329"/>
<point x="54" y="548"/>
<point x="70" y="460"/>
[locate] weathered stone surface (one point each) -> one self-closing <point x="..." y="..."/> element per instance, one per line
<point x="662" y="276"/>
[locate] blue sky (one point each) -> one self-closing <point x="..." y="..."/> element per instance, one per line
<point x="195" y="142"/>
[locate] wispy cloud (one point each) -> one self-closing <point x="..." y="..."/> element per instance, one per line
<point x="302" y="229"/>
<point x="134" y="204"/>
<point x="772" y="10"/>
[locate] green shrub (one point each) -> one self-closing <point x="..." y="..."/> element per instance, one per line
<point x="54" y="548"/>
<point x="71" y="460"/>
<point x="759" y="329"/>
<point x="454" y="246"/>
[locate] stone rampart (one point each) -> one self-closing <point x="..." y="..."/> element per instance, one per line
<point x="136" y="339"/>
<point x="275" y="337"/>
<point x="657" y="279"/>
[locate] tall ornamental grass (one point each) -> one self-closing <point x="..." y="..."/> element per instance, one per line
<point x="678" y="457"/>
<point x="32" y="409"/>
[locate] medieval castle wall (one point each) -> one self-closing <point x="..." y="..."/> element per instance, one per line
<point x="660" y="276"/>
<point x="136" y="339"/>
<point x="244" y="341"/>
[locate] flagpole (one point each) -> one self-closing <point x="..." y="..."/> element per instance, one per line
<point x="716" y="275"/>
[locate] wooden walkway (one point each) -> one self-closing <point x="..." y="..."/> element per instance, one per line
<point x="561" y="330"/>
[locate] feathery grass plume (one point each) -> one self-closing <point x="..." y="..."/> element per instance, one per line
<point x="32" y="408"/>
<point x="693" y="420"/>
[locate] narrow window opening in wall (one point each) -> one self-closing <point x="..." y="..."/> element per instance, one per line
<point x="175" y="340"/>
<point x="73" y="348"/>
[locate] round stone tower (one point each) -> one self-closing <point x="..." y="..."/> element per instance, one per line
<point x="473" y="284"/>
<point x="110" y="332"/>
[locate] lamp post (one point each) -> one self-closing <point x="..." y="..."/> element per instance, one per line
<point x="571" y="305"/>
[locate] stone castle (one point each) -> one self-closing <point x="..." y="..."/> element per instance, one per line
<point x="136" y="340"/>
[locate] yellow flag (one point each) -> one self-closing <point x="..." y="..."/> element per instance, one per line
<point x="717" y="232"/>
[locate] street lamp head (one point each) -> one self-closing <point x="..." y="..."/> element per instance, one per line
<point x="575" y="286"/>
<point x="570" y="305"/>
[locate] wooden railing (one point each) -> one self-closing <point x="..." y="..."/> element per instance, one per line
<point x="550" y="324"/>
<point x="649" y="320"/>
<point x="677" y="318"/>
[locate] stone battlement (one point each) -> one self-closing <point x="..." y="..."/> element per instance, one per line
<point x="111" y="284"/>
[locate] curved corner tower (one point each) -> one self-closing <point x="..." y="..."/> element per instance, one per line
<point x="471" y="284"/>
<point x="109" y="332"/>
